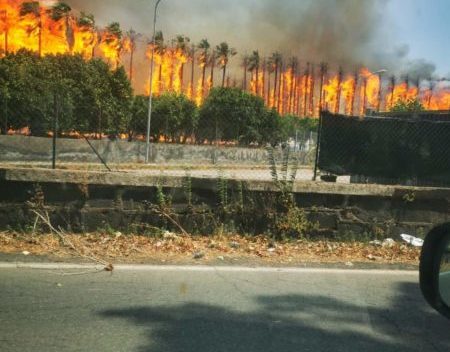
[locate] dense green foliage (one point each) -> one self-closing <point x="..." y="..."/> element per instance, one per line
<point x="89" y="97"/>
<point x="409" y="105"/>
<point x="85" y="95"/>
<point x="232" y="114"/>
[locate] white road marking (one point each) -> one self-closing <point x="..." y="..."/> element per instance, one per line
<point x="203" y="268"/>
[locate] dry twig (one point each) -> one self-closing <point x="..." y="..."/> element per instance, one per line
<point x="46" y="220"/>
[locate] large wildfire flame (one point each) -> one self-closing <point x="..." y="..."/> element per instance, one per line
<point x="47" y="27"/>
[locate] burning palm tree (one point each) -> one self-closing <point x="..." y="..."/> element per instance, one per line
<point x="253" y="67"/>
<point x="203" y="59"/>
<point x="33" y="9"/>
<point x="129" y="45"/>
<point x="112" y="42"/>
<point x="274" y="66"/>
<point x="61" y="11"/>
<point x="224" y="53"/>
<point x="88" y="36"/>
<point x="245" y="62"/>
<point x="182" y="54"/>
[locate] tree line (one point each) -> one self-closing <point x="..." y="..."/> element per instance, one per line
<point x="88" y="97"/>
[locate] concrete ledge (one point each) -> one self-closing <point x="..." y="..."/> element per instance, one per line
<point x="139" y="179"/>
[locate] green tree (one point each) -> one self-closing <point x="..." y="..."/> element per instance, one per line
<point x="137" y="124"/>
<point x="231" y="114"/>
<point x="409" y="105"/>
<point x="174" y="117"/>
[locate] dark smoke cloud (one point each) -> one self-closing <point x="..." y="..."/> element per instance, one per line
<point x="342" y="32"/>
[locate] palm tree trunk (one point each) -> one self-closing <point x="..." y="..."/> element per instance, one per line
<point x="181" y="75"/>
<point x="291" y="91"/>
<point x="311" y="93"/>
<point x="268" y="89"/>
<point x="263" y="94"/>
<point x="203" y="80"/>
<point x="160" y="78"/>
<point x="40" y="36"/>
<point x="257" y="80"/>
<point x="244" y="85"/>
<point x="275" y="82"/>
<point x="171" y="73"/>
<point x="322" y="81"/>
<point x="192" y="74"/>
<point x="6" y="42"/>
<point x="131" y="64"/>
<point x="339" y="92"/>
<point x="223" y="75"/>
<point x="211" y="80"/>
<point x="354" y="85"/>
<point x="305" y="91"/>
<point x="280" y="89"/>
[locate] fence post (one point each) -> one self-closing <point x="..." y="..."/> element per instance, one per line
<point x="55" y="129"/>
<point x="319" y="135"/>
<point x="5" y="116"/>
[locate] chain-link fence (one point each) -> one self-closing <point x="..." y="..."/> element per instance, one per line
<point x="28" y="131"/>
<point x="411" y="149"/>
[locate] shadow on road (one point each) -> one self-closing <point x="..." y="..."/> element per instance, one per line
<point x="295" y="323"/>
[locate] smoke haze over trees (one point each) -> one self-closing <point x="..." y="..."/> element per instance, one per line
<point x="342" y="32"/>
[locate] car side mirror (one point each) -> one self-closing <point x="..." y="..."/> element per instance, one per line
<point x="435" y="269"/>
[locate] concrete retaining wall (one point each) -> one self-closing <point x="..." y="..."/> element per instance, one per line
<point x="36" y="149"/>
<point x="89" y="200"/>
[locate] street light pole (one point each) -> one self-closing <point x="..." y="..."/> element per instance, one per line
<point x="150" y="98"/>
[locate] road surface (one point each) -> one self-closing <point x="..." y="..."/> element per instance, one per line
<point x="216" y="309"/>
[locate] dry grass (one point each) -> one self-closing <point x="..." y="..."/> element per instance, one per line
<point x="173" y="248"/>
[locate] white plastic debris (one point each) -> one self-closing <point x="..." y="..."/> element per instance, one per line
<point x="376" y="243"/>
<point x="388" y="242"/>
<point x="26" y="253"/>
<point x="414" y="241"/>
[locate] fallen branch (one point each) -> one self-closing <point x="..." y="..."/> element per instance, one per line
<point x="172" y="220"/>
<point x="60" y="233"/>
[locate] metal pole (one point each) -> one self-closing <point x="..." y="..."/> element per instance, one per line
<point x="55" y="130"/>
<point x="319" y="136"/>
<point x="150" y="98"/>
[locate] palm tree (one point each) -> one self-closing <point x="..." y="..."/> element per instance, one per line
<point x="224" y="53"/>
<point x="305" y="90"/>
<point x="192" y="58"/>
<point x="131" y="39"/>
<point x="62" y="11"/>
<point x="245" y="62"/>
<point x="323" y="73"/>
<point x="339" y="91"/>
<point x="160" y="50"/>
<point x="274" y="66"/>
<point x="181" y="46"/>
<point x="86" y="23"/>
<point x="254" y="63"/>
<point x="33" y="8"/>
<point x="213" y="63"/>
<point x="203" y="60"/>
<point x="4" y="29"/>
<point x="293" y="65"/>
<point x="113" y="37"/>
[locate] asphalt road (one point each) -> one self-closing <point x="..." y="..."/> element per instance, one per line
<point x="209" y="309"/>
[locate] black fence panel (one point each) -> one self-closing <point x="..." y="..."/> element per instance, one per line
<point x="386" y="147"/>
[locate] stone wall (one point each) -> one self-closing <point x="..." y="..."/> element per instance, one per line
<point x="36" y="149"/>
<point x="88" y="201"/>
